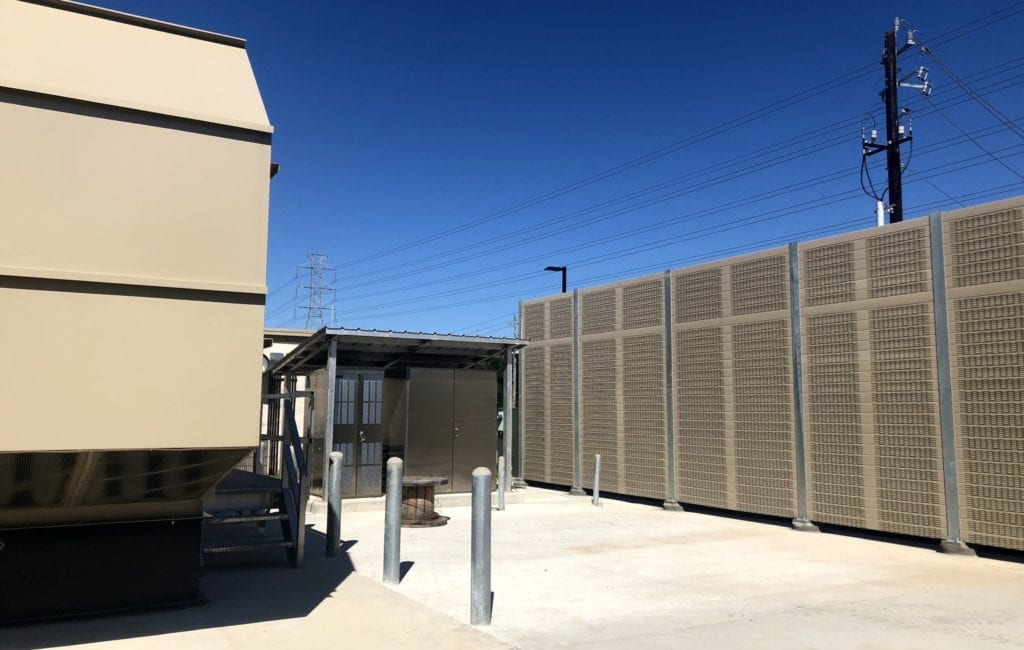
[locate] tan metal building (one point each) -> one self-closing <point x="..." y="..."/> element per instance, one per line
<point x="134" y="181"/>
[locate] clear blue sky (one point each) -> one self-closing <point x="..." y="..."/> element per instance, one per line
<point x="397" y="122"/>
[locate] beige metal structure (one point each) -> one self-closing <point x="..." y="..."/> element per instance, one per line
<point x="871" y="380"/>
<point x="135" y="183"/>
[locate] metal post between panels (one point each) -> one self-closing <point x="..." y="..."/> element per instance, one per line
<point x="954" y="541"/>
<point x="501" y="483"/>
<point x="801" y="522"/>
<point x="671" y="498"/>
<point x="332" y="371"/>
<point x="507" y="419"/>
<point x="337" y="461"/>
<point x="577" y="478"/>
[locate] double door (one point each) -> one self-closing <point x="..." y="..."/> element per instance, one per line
<point x="452" y="424"/>
<point x="358" y="431"/>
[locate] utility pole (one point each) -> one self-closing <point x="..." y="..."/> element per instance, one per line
<point x="895" y="133"/>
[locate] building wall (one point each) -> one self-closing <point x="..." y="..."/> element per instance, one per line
<point x="135" y="181"/>
<point x="893" y="357"/>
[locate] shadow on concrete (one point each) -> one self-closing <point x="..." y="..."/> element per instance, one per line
<point x="241" y="588"/>
<point x="403" y="568"/>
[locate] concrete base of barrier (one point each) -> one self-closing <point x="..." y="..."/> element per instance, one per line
<point x="804" y="525"/>
<point x="955" y="547"/>
<point x="672" y="505"/>
<point x="577" y="492"/>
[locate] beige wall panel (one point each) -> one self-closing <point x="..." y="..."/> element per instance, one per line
<point x="984" y="251"/>
<point x="534" y="416"/>
<point x="98" y="199"/>
<point x="870" y="384"/>
<point x="124" y="372"/>
<point x="73" y="55"/>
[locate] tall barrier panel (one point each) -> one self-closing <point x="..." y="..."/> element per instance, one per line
<point x="891" y="360"/>
<point x="733" y="390"/>
<point x="622" y="386"/>
<point x="870" y="384"/>
<point x="984" y="255"/>
<point x="548" y="454"/>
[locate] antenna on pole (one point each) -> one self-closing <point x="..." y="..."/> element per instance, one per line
<point x="317" y="308"/>
<point x="895" y="132"/>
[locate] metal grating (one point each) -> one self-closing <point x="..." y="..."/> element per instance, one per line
<point x="833" y="419"/>
<point x="760" y="285"/>
<point x="987" y="248"/>
<point x="597" y="311"/>
<point x="988" y="346"/>
<point x="827" y="275"/>
<point x="560" y="318"/>
<point x="762" y="386"/>
<point x="699" y="384"/>
<point x="599" y="427"/>
<point x="534" y="420"/>
<point x="898" y="263"/>
<point x="643" y="388"/>
<point x="533" y="321"/>
<point x="698" y="295"/>
<point x="907" y="440"/>
<point x="561" y="433"/>
<point x="642" y="304"/>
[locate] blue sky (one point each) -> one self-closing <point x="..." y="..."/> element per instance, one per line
<point x="434" y="150"/>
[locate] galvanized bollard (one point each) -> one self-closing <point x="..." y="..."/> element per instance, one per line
<point x="597" y="480"/>
<point x="337" y="461"/>
<point x="501" y="482"/>
<point x="480" y="578"/>
<point x="393" y="522"/>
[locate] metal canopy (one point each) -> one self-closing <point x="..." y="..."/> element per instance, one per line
<point x="386" y="349"/>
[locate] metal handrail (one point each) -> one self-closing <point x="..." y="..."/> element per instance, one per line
<point x="296" y="490"/>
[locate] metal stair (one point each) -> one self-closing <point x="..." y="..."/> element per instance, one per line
<point x="242" y="499"/>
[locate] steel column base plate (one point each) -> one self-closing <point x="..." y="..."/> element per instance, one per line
<point x="955" y="547"/>
<point x="672" y="505"/>
<point x="577" y="492"/>
<point x="804" y="525"/>
<point x="519" y="484"/>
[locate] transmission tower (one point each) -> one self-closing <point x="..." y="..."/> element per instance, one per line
<point x="317" y="307"/>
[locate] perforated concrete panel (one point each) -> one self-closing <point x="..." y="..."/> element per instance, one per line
<point x="733" y="385"/>
<point x="548" y="451"/>
<point x="870" y="382"/>
<point x="623" y="386"/>
<point x="984" y="252"/>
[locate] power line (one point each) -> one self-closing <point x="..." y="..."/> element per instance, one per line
<point x="558" y="224"/>
<point x="848" y="77"/>
<point x="979" y="145"/>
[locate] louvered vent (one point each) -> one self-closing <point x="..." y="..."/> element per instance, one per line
<point x="698" y="295"/>
<point x="600" y="427"/>
<point x="560" y="415"/>
<point x="644" y="414"/>
<point x="700" y="402"/>
<point x="560" y="318"/>
<point x="760" y="285"/>
<point x="898" y="263"/>
<point x="833" y="420"/>
<point x="907" y="437"/>
<point x="535" y="421"/>
<point x="642" y="305"/>
<point x="828" y="274"/>
<point x="597" y="311"/>
<point x="533" y="321"/>
<point x="764" y="417"/>
<point x="987" y="248"/>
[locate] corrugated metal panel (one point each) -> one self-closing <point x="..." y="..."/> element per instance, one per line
<point x="984" y="252"/>
<point x="871" y="391"/>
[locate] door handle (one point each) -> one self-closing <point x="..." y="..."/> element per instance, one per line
<point x="362" y="438"/>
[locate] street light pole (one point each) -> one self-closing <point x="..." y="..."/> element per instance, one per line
<point x="563" y="270"/>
